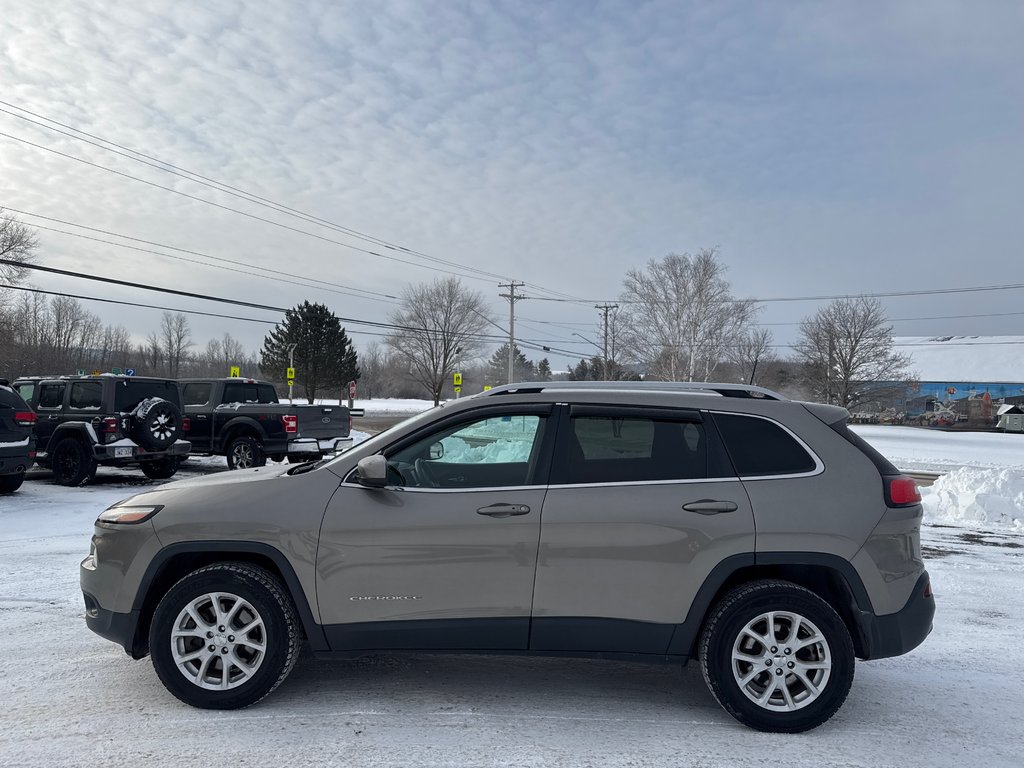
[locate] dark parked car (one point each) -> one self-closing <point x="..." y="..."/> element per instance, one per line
<point x="17" y="445"/>
<point x="116" y="421"/>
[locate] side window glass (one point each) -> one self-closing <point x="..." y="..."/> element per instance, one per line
<point x="51" y="395"/>
<point x="197" y="393"/>
<point x="267" y="393"/>
<point x="623" y="450"/>
<point x="26" y="390"/>
<point x="761" y="447"/>
<point x="487" y="453"/>
<point x="240" y="393"/>
<point x="86" y="395"/>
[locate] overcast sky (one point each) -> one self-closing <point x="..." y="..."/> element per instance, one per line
<point x="823" y="148"/>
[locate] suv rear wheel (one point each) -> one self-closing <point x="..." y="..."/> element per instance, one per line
<point x="777" y="657"/>
<point x="245" y="452"/>
<point x="224" y="636"/>
<point x="72" y="462"/>
<point x="159" y="469"/>
<point x="11" y="483"/>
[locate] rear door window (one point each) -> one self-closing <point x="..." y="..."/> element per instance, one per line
<point x="613" y="449"/>
<point x="760" y="447"/>
<point x="86" y="395"/>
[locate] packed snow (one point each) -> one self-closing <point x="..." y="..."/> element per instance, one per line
<point x="984" y="471"/>
<point x="74" y="699"/>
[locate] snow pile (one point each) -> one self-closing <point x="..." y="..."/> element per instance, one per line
<point x="458" y="451"/>
<point x="976" y="495"/>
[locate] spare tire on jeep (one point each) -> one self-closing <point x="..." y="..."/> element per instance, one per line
<point x="155" y="424"/>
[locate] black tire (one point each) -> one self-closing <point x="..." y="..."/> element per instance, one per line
<point x="791" y="706"/>
<point x="72" y="462"/>
<point x="265" y="598"/>
<point x="155" y="424"/>
<point x="11" y="483"/>
<point x="159" y="469"/>
<point x="245" y="452"/>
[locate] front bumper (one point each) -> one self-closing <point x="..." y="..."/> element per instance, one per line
<point x="119" y="627"/>
<point x="897" y="633"/>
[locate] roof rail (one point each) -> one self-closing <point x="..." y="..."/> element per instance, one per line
<point x="724" y="390"/>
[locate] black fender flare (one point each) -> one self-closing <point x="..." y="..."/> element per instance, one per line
<point x="230" y="550"/>
<point x="685" y="636"/>
<point x="241" y="424"/>
<point x="79" y="429"/>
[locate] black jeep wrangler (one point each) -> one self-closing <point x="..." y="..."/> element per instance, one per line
<point x="116" y="421"/>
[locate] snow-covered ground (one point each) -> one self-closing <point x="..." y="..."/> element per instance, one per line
<point x="71" y="698"/>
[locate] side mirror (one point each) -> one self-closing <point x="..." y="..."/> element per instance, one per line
<point x="372" y="471"/>
<point x="436" y="451"/>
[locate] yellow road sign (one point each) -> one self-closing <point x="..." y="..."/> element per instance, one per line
<point x="457" y="390"/>
<point x="290" y="375"/>
<point x="236" y="372"/>
<point x="457" y="380"/>
<point x="487" y="387"/>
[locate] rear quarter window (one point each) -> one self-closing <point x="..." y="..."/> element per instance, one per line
<point x="129" y="393"/>
<point x="761" y="447"/>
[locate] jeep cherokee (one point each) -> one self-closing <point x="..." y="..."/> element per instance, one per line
<point x="645" y="521"/>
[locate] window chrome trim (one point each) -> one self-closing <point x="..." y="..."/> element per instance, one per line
<point x="617" y="483"/>
<point x="819" y="465"/>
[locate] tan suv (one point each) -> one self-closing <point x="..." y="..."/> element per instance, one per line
<point x="653" y="521"/>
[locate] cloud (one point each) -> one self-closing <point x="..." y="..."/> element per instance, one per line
<point x="823" y="148"/>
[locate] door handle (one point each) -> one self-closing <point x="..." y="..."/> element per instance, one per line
<point x="504" y="510"/>
<point x="710" y="507"/>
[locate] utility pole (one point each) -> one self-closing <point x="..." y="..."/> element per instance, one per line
<point x="606" y="308"/>
<point x="512" y="299"/>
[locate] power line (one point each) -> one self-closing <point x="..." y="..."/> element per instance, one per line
<point x="281" y="276"/>
<point x="223" y="187"/>
<point x="236" y="210"/>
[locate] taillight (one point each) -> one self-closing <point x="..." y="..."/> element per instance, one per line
<point x="291" y="423"/>
<point x="109" y="425"/>
<point x="25" y="418"/>
<point x="186" y="424"/>
<point x="902" y="491"/>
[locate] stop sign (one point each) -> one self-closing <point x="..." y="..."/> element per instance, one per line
<point x="352" y="390"/>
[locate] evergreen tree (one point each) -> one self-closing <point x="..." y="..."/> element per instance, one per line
<point x="497" y="366"/>
<point x="544" y="370"/>
<point x="324" y="356"/>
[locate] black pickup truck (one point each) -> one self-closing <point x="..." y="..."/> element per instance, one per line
<point x="243" y="420"/>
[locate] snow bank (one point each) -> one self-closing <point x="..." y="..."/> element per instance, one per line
<point x="976" y="495"/>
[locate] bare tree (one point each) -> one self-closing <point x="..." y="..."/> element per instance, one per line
<point x="847" y="351"/>
<point x="441" y="322"/>
<point x="752" y="354"/>
<point x="152" y="352"/>
<point x="680" y="317"/>
<point x="177" y="339"/>
<point x="17" y="245"/>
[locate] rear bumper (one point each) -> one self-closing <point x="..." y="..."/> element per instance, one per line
<point x="135" y="453"/>
<point x="16" y="459"/>
<point x="897" y="633"/>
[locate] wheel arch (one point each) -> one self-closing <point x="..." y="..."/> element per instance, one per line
<point x="178" y="560"/>
<point x="830" y="577"/>
<point x="242" y="426"/>
<point x="79" y="430"/>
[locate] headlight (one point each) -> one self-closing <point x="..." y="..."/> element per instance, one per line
<point x="128" y="515"/>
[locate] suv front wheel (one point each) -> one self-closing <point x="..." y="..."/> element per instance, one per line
<point x="224" y="636"/>
<point x="777" y="657"/>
